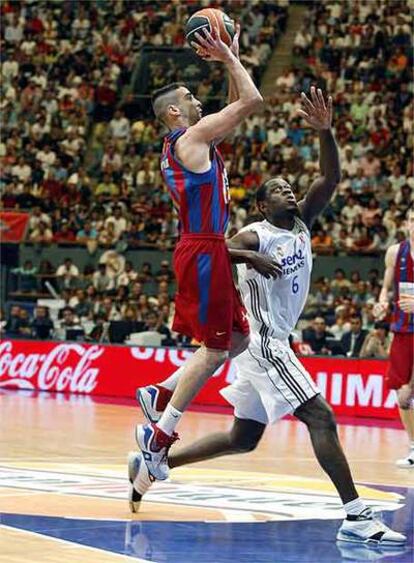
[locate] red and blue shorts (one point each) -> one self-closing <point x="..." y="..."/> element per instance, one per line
<point x="208" y="306"/>
<point x="401" y="360"/>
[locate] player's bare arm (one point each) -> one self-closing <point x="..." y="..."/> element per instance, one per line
<point x="318" y="115"/>
<point x="382" y="306"/>
<point x="193" y="147"/>
<point x="244" y="249"/>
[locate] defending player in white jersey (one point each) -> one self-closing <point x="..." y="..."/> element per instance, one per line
<point x="271" y="381"/>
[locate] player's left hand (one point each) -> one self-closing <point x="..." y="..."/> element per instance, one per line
<point x="265" y="265"/>
<point x="406" y="303"/>
<point x="405" y="396"/>
<point x="316" y="113"/>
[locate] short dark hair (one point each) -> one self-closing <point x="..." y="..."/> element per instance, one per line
<point x="261" y="192"/>
<point x="357" y="315"/>
<point x="168" y="88"/>
<point x="165" y="89"/>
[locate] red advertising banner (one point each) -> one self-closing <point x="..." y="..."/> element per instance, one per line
<point x="352" y="387"/>
<point x="13" y="226"/>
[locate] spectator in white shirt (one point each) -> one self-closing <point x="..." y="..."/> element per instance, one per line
<point x="120" y="223"/>
<point x="351" y="211"/>
<point x="349" y="163"/>
<point x="119" y="126"/>
<point x="111" y="159"/>
<point x="67" y="274"/>
<point x="276" y="135"/>
<point x="47" y="157"/>
<point x="128" y="276"/>
<point x="38" y="217"/>
<point x="101" y="280"/>
<point x="22" y="171"/>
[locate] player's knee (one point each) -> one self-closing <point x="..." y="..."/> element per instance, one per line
<point x="240" y="345"/>
<point x="317" y="415"/>
<point x="244" y="343"/>
<point x="327" y="419"/>
<point x="243" y="442"/>
<point x="215" y="358"/>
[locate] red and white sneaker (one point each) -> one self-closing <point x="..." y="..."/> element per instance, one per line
<point x="153" y="399"/>
<point x="154" y="445"/>
<point x="140" y="480"/>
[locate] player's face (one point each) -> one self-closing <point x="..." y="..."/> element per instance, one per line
<point x="280" y="200"/>
<point x="190" y="107"/>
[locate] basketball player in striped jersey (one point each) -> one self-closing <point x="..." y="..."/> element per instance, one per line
<point x="207" y="304"/>
<point x="271" y="381"/>
<point x="399" y="279"/>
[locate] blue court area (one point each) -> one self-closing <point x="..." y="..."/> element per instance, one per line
<point x="310" y="541"/>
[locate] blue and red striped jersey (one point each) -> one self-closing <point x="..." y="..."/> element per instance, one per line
<point x="403" y="284"/>
<point x="202" y="199"/>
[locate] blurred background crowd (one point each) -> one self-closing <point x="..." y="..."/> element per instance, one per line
<point x="80" y="150"/>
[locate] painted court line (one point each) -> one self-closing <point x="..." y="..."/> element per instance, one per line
<point x="74" y="545"/>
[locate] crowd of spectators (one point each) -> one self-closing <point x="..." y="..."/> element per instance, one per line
<point x="75" y="149"/>
<point x="114" y="300"/>
<point x="92" y="299"/>
<point x="339" y="317"/>
<point x="78" y="154"/>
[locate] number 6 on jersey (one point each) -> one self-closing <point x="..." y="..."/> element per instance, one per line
<point x="295" y="285"/>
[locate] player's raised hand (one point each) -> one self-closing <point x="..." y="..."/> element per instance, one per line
<point x="315" y="112"/>
<point x="265" y="265"/>
<point x="212" y="48"/>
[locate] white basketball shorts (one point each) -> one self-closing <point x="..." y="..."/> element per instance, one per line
<point x="271" y="382"/>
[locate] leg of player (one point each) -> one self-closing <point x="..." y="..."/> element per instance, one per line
<point x="243" y="437"/>
<point x="407" y="418"/>
<point x="154" y="440"/>
<point x="153" y="399"/>
<point x="320" y="420"/>
<point x="360" y="524"/>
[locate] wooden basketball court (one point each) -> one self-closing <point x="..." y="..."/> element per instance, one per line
<point x="63" y="490"/>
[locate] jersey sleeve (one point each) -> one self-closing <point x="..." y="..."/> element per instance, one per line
<point x="263" y="235"/>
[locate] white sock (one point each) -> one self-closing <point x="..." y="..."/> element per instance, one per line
<point x="355" y="507"/>
<point x="169" y="419"/>
<point x="412" y="446"/>
<point x="171" y="382"/>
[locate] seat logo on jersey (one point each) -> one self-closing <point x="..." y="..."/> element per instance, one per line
<point x="293" y="262"/>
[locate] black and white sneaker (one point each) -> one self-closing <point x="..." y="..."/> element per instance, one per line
<point x="367" y="529"/>
<point x="406" y="462"/>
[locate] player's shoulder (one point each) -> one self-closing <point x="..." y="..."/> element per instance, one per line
<point x="301" y="226"/>
<point x="392" y="253"/>
<point x="256" y="226"/>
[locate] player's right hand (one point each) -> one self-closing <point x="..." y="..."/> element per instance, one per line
<point x="380" y="310"/>
<point x="265" y="265"/>
<point x="212" y="48"/>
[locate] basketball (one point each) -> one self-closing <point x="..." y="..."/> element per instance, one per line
<point x="207" y="19"/>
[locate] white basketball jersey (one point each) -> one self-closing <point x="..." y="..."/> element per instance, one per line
<point x="278" y="303"/>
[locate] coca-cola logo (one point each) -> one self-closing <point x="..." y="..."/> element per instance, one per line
<point x="67" y="367"/>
